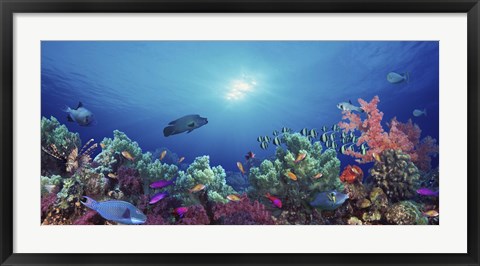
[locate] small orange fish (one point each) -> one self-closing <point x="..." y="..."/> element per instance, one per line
<point x="197" y="188"/>
<point x="354" y="170"/>
<point x="102" y="145"/>
<point x="240" y="167"/>
<point x="233" y="197"/>
<point x="317" y="176"/>
<point x="162" y="155"/>
<point x="181" y="159"/>
<point x="376" y="157"/>
<point x="112" y="175"/>
<point x="292" y="176"/>
<point x="431" y="213"/>
<point x="300" y="157"/>
<point x="127" y="155"/>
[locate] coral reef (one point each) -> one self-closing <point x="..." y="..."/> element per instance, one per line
<point x="89" y="218"/>
<point x="405" y="213"/>
<point x="57" y="138"/>
<point x="351" y="174"/>
<point x="244" y="211"/>
<point x="237" y="181"/>
<point x="196" y="215"/>
<point x="396" y="175"/>
<point x="405" y="137"/>
<point x="200" y="172"/>
<point x="276" y="177"/>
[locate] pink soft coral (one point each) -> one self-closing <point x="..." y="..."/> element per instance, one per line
<point x="401" y="136"/>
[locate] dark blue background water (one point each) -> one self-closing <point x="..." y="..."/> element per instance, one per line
<point x="138" y="87"/>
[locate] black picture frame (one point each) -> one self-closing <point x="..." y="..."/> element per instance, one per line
<point x="10" y="7"/>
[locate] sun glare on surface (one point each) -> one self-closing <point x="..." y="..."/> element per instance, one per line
<point x="238" y="89"/>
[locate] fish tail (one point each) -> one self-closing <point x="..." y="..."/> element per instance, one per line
<point x="169" y="130"/>
<point x="407" y="77"/>
<point x="67" y="109"/>
<point x="425" y="111"/>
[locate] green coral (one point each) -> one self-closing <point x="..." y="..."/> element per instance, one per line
<point x="45" y="181"/>
<point x="56" y="137"/>
<point x="71" y="192"/>
<point x="272" y="177"/>
<point x="405" y="213"/>
<point x="200" y="172"/>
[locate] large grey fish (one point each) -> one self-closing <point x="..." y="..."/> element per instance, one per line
<point x="80" y="115"/>
<point x="344" y="106"/>
<point x="186" y="123"/>
<point x="116" y="210"/>
<point x="329" y="200"/>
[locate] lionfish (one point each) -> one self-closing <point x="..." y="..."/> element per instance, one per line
<point x="75" y="159"/>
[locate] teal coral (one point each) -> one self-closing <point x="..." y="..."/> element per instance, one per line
<point x="271" y="177"/>
<point x="200" y="172"/>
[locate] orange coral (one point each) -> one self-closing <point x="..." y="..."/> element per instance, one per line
<point x="351" y="173"/>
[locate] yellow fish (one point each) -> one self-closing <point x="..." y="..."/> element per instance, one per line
<point x="317" y="176"/>
<point x="233" y="197"/>
<point x="127" y="155"/>
<point x="181" y="159"/>
<point x="197" y="188"/>
<point x="300" y="157"/>
<point x="431" y="213"/>
<point x="112" y="175"/>
<point x="240" y="167"/>
<point x="163" y="155"/>
<point x="102" y="145"/>
<point x="292" y="176"/>
<point x="376" y="157"/>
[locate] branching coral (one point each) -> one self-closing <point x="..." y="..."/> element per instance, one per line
<point x="405" y="137"/>
<point x="396" y="175"/>
<point x="275" y="177"/>
<point x="200" y="172"/>
<point x="196" y="215"/>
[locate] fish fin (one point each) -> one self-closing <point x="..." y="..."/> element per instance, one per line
<point x="79" y="105"/>
<point x="69" y="118"/>
<point x="192" y="124"/>
<point x="167" y="131"/>
<point x="126" y="214"/>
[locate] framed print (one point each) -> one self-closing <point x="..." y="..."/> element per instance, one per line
<point x="239" y="132"/>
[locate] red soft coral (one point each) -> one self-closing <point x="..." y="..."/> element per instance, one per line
<point x="401" y="136"/>
<point x="130" y="181"/>
<point x="196" y="215"/>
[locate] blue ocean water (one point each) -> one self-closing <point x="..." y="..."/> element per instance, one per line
<point x="246" y="89"/>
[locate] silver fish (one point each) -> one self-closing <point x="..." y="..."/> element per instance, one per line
<point x="418" y="113"/>
<point x="344" y="106"/>
<point x="394" y="77"/>
<point x="81" y="115"/>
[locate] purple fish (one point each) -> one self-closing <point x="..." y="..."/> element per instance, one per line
<point x="162" y="183"/>
<point x="158" y="197"/>
<point x="427" y="192"/>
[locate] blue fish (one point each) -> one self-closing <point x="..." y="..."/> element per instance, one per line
<point x="116" y="210"/>
<point x="329" y="200"/>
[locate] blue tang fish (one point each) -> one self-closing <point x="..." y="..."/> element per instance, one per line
<point x="81" y="115"/>
<point x="329" y="200"/>
<point x="116" y="210"/>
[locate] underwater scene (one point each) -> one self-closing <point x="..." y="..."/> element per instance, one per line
<point x="239" y="133"/>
